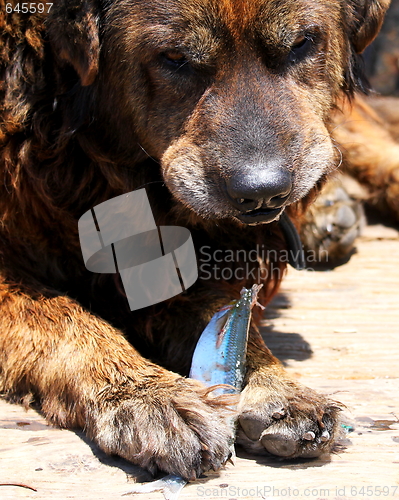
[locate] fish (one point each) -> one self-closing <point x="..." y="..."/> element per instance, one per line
<point x="219" y="356"/>
<point x="218" y="360"/>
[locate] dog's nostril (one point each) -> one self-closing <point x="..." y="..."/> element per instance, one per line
<point x="246" y="204"/>
<point x="259" y="188"/>
<point x="279" y="199"/>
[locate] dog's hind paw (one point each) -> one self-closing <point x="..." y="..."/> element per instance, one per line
<point x="332" y="225"/>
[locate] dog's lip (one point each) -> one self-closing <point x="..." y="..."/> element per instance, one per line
<point x="260" y="216"/>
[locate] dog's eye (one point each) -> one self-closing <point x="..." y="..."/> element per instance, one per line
<point x="174" y="59"/>
<point x="300" y="42"/>
<point x="300" y="48"/>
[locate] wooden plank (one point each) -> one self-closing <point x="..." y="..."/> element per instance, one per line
<point x="336" y="331"/>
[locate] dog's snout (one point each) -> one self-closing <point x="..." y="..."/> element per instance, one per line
<point x="263" y="188"/>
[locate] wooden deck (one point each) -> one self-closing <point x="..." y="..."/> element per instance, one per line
<point x="337" y="331"/>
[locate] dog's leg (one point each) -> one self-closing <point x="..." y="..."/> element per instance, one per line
<point x="280" y="416"/>
<point x="87" y="375"/>
<point x="370" y="149"/>
<point x="367" y="134"/>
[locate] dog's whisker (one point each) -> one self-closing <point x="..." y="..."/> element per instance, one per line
<point x="336" y="146"/>
<point x="148" y="154"/>
<point x="347" y="122"/>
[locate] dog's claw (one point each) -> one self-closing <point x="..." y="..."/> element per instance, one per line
<point x="277" y="415"/>
<point x="325" y="436"/>
<point x="309" y="436"/>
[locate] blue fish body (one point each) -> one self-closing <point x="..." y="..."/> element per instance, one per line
<point x="219" y="357"/>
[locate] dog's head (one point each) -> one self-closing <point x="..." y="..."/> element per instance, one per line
<point x="232" y="97"/>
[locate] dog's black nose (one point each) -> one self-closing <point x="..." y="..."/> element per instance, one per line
<point x="263" y="188"/>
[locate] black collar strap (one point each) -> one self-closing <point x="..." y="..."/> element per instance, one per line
<point x="296" y="256"/>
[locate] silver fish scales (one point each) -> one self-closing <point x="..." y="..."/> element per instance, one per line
<point x="219" y="357"/>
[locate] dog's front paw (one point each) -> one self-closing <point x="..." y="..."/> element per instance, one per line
<point x="172" y="426"/>
<point x="285" y="419"/>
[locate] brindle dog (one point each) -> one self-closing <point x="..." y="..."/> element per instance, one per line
<point x="226" y="101"/>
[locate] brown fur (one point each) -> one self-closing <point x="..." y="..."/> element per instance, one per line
<point x="368" y="136"/>
<point x="93" y="104"/>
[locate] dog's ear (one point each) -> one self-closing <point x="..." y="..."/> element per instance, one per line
<point x="72" y="26"/>
<point x="365" y="20"/>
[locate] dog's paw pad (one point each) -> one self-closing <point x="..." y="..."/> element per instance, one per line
<point x="279" y="445"/>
